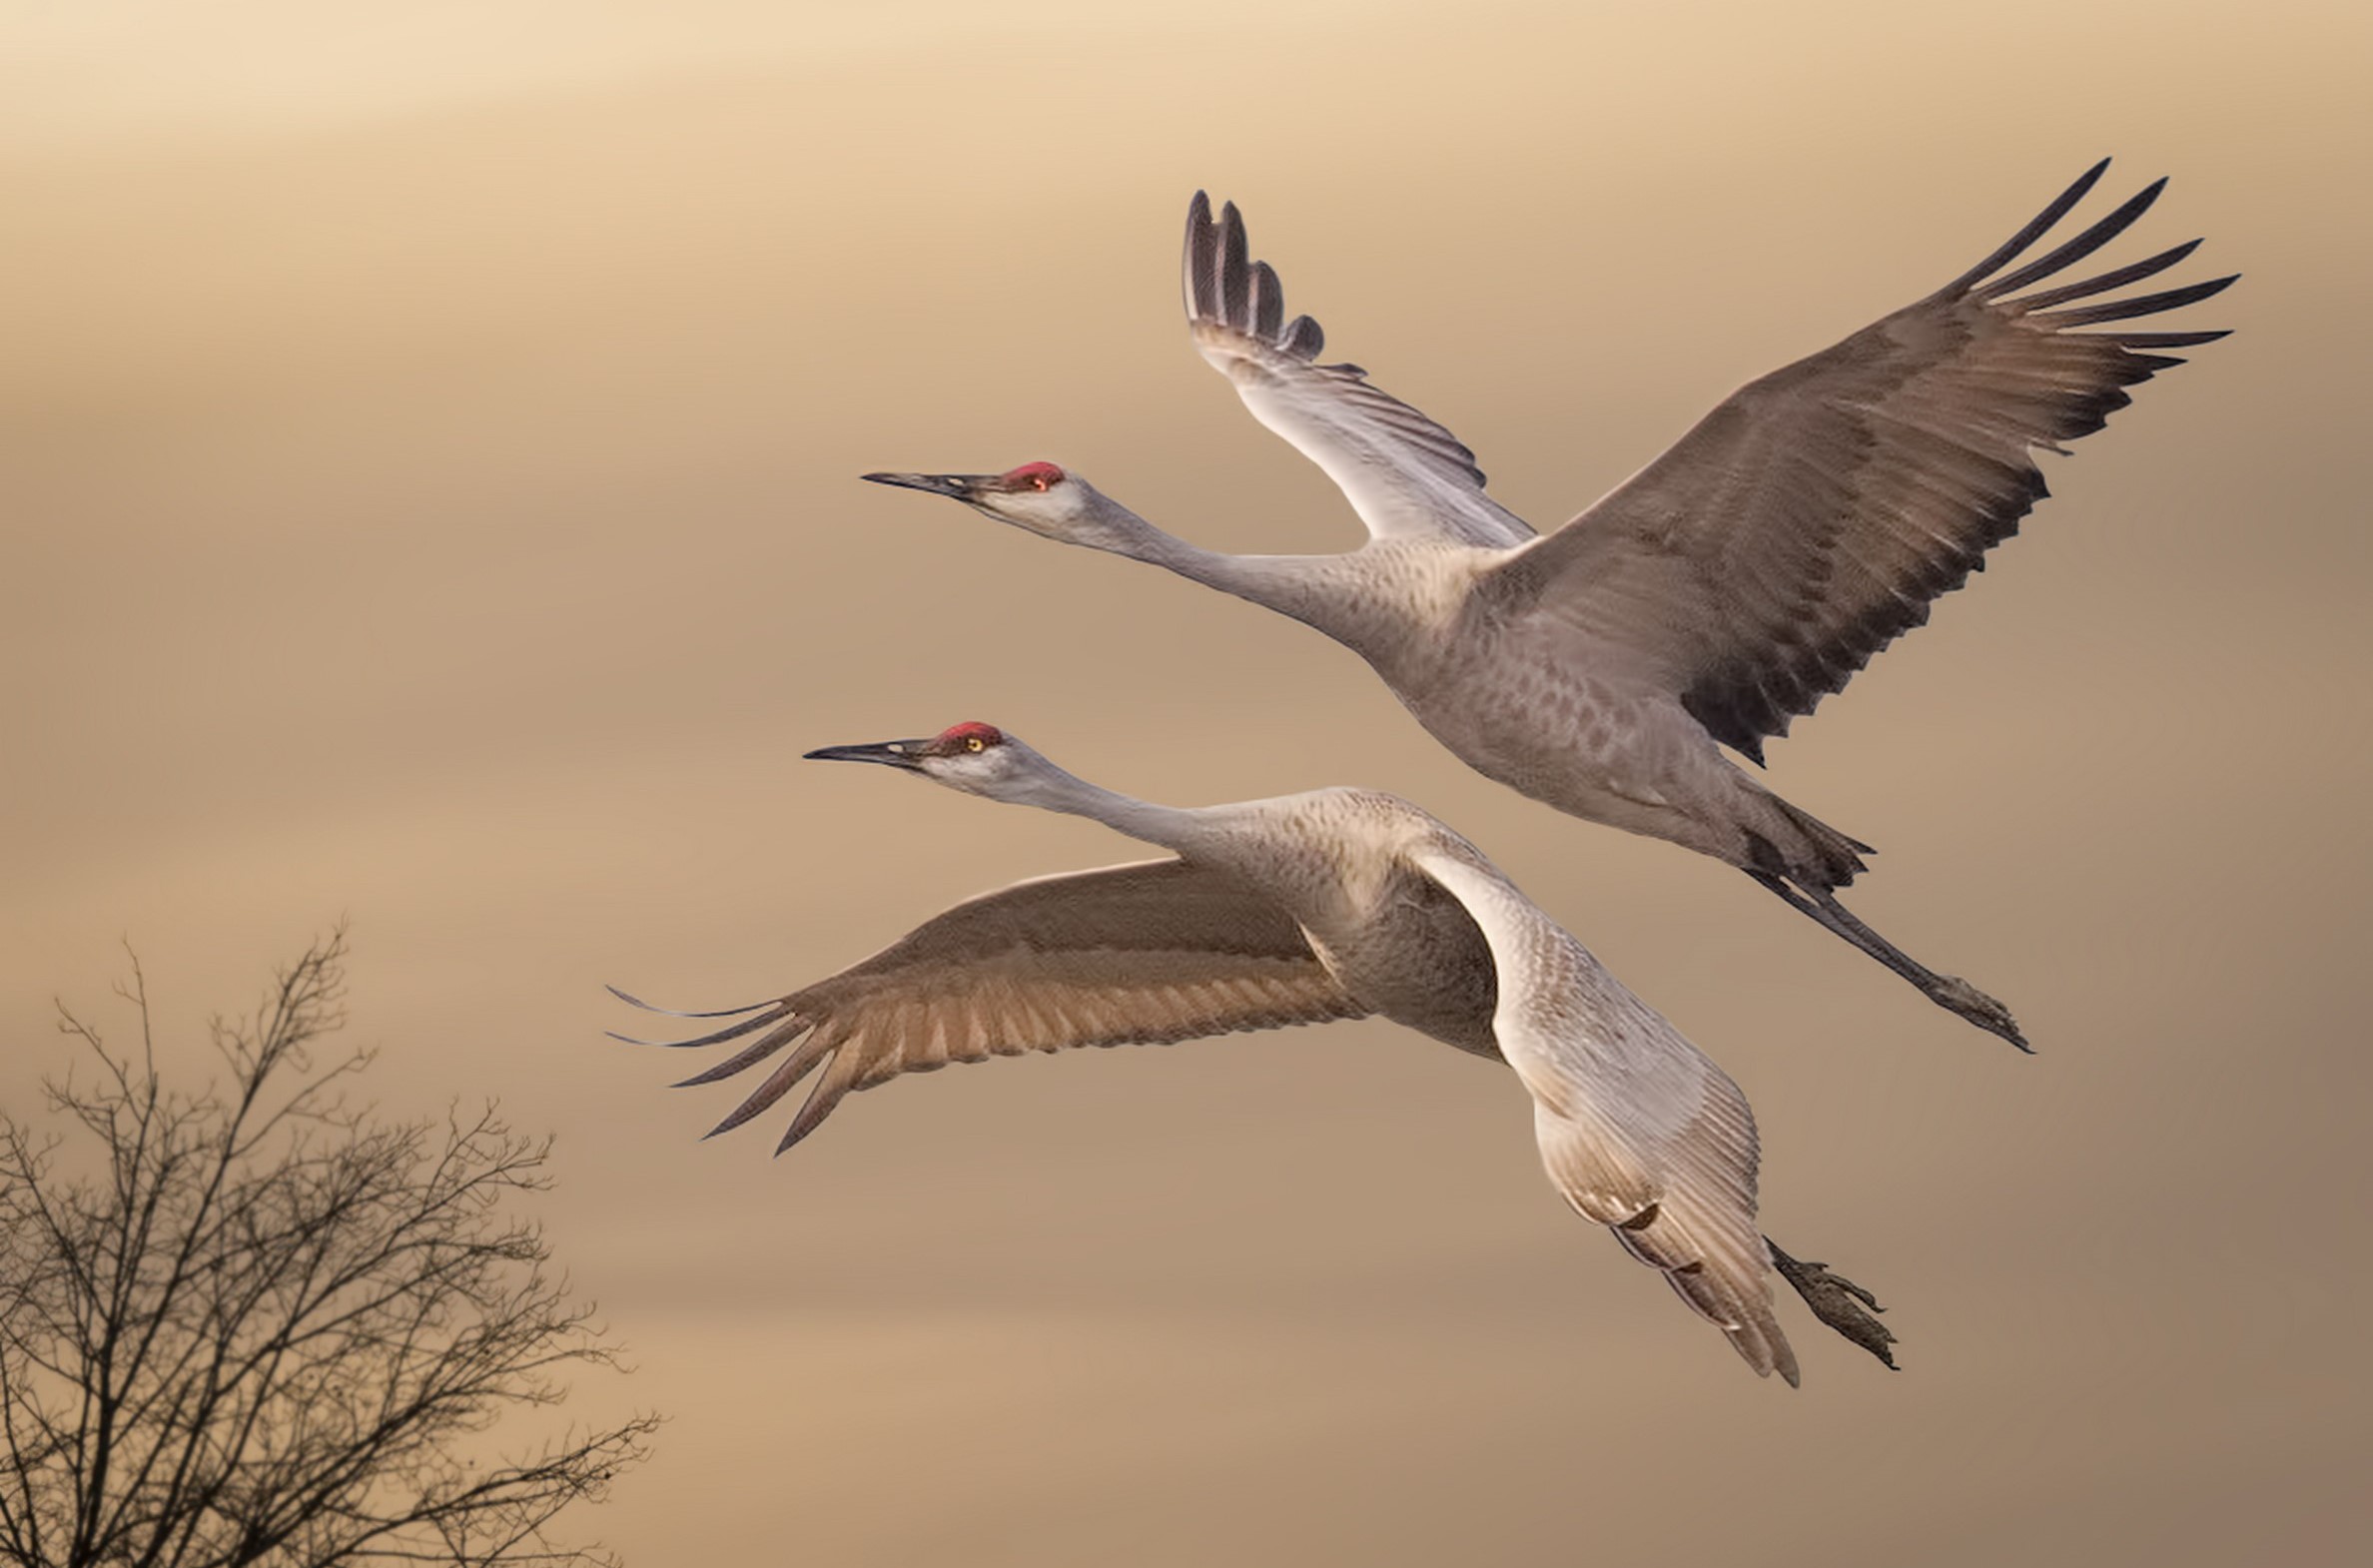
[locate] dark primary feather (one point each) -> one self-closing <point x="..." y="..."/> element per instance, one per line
<point x="1255" y="304"/>
<point x="1814" y="516"/>
<point x="2116" y="278"/>
<point x="633" y="1000"/>
<point x="2034" y="229"/>
<point x="1143" y="954"/>
<point x="714" y="1037"/>
<point x="2082" y="246"/>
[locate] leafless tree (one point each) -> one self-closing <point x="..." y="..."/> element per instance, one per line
<point x="257" y="1324"/>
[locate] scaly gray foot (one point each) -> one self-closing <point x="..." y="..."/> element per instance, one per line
<point x="1979" y="1008"/>
<point x="1838" y="1302"/>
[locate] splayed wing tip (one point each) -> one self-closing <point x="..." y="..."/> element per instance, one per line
<point x="2037" y="227"/>
<point x="2102" y="283"/>
<point x="2140" y="305"/>
<point x="715" y="1037"/>
<point x="631" y="1000"/>
<point x="2086" y="242"/>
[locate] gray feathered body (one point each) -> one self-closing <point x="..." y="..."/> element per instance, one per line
<point x="1518" y="697"/>
<point x="1341" y="863"/>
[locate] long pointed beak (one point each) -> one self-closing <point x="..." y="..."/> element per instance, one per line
<point x="894" y="753"/>
<point x="958" y="485"/>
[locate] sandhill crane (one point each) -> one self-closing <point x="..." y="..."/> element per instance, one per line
<point x="1802" y="527"/>
<point x="1332" y="904"/>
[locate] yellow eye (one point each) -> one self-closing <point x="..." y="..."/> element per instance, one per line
<point x="973" y="743"/>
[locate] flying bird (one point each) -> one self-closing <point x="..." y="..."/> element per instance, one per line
<point x="1340" y="904"/>
<point x="1799" y="528"/>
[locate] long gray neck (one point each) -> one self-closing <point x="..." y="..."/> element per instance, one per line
<point x="1310" y="588"/>
<point x="1050" y="788"/>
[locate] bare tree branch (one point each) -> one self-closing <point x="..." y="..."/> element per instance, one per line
<point x="270" y="1329"/>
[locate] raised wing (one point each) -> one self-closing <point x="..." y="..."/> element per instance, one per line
<point x="1638" y="1129"/>
<point x="1404" y="474"/>
<point x="1811" y="520"/>
<point x="1141" y="954"/>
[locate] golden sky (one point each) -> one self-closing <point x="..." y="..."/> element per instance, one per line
<point x="427" y="445"/>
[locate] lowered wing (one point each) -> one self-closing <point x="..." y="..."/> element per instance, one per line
<point x="1638" y="1129"/>
<point x="1142" y="953"/>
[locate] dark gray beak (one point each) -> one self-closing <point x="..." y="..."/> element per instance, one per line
<point x="895" y="753"/>
<point x="958" y="485"/>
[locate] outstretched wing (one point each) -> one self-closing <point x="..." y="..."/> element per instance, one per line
<point x="1810" y="520"/>
<point x="1141" y="954"/>
<point x="1638" y="1129"/>
<point x="1403" y="474"/>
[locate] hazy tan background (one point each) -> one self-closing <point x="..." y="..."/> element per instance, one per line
<point x="429" y="479"/>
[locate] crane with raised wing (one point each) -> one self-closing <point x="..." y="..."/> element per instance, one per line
<point x="1705" y="602"/>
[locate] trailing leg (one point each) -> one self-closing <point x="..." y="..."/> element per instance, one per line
<point x="1836" y="1302"/>
<point x="1947" y="991"/>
